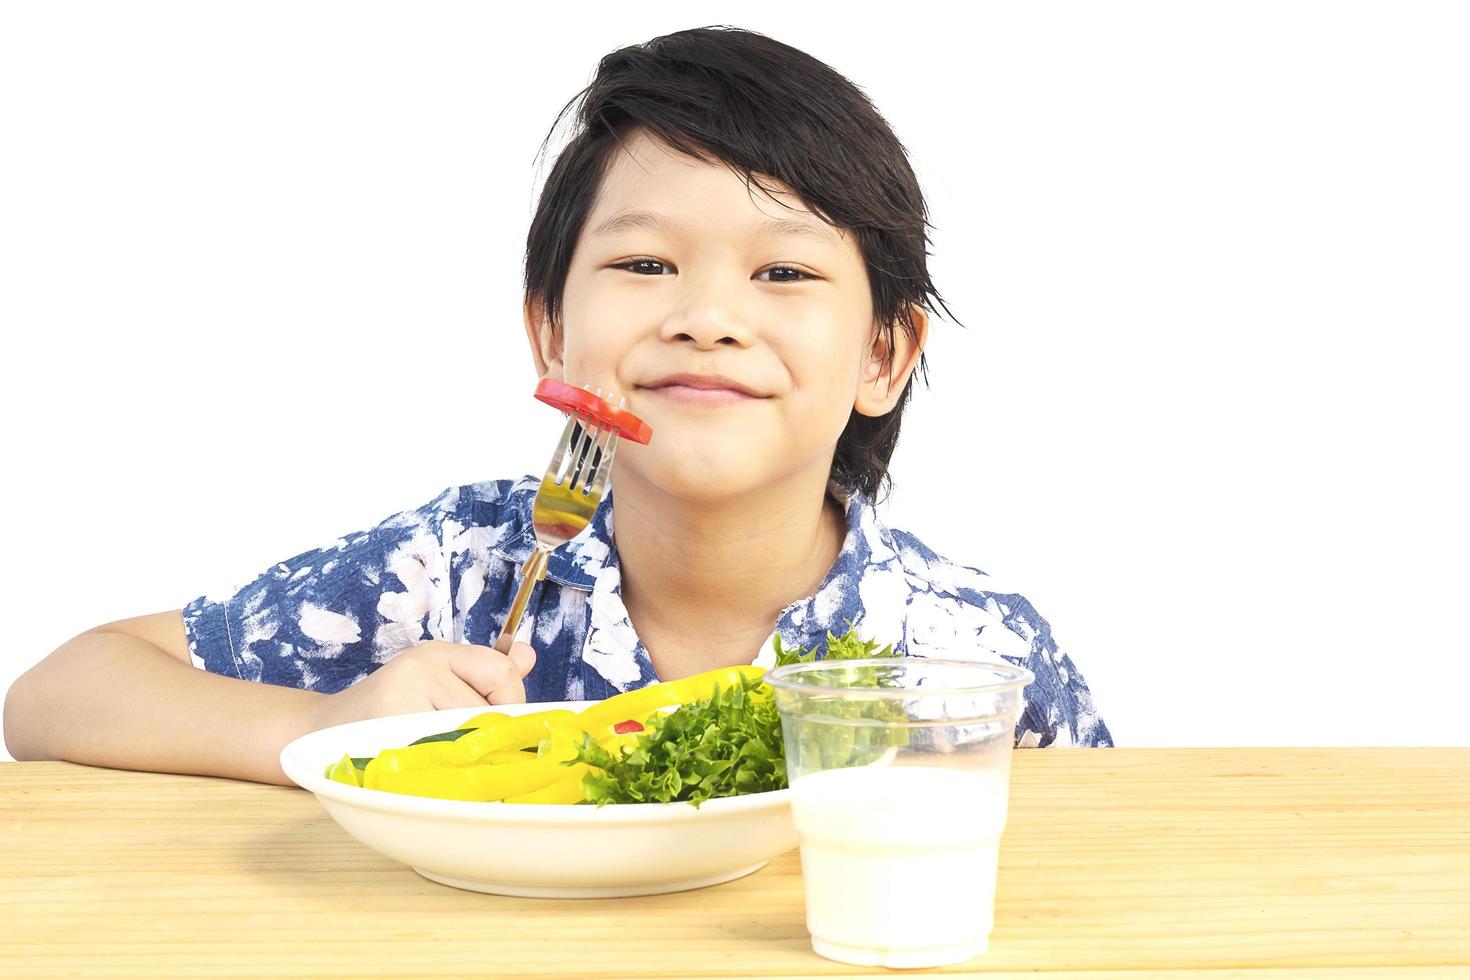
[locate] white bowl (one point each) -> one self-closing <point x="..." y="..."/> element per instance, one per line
<point x="538" y="850"/>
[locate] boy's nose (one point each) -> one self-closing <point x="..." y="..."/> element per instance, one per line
<point x="705" y="331"/>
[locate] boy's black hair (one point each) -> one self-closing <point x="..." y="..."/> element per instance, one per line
<point x="762" y="108"/>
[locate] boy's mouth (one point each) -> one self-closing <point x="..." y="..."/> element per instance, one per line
<point x="702" y="389"/>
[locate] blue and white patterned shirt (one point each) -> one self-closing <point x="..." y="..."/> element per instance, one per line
<point x="329" y="617"/>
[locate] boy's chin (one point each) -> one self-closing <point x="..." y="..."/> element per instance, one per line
<point x="704" y="474"/>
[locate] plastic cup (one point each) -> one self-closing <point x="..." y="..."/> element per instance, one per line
<point x="900" y="778"/>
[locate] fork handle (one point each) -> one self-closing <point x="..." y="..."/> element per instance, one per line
<point x="533" y="571"/>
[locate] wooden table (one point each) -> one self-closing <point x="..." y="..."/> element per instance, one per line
<point x="1319" y="863"/>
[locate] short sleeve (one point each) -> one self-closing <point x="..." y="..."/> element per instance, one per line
<point x="327" y="618"/>
<point x="954" y="607"/>
<point x="1059" y="708"/>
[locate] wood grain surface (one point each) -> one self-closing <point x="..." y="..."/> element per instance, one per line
<point x="1297" y="863"/>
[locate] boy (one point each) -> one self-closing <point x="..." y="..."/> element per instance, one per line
<point x="734" y="241"/>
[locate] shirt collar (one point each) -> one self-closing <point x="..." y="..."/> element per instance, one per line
<point x="865" y="589"/>
<point x="578" y="562"/>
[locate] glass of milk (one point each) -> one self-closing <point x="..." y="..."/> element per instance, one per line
<point x="900" y="773"/>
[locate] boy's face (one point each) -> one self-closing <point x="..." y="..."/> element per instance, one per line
<point x="705" y="293"/>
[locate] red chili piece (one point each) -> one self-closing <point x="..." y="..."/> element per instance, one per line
<point x="627" y="727"/>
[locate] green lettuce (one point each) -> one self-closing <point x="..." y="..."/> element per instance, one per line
<point x="727" y="745"/>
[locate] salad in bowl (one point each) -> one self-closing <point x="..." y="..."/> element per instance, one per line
<point x="672" y="786"/>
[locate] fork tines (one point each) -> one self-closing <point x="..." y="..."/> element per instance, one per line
<point x="584" y="452"/>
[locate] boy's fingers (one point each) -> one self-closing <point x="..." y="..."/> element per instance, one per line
<point x="493" y="674"/>
<point x="523" y="655"/>
<point x="512" y="693"/>
<point x="522" y="658"/>
<point x="454" y="692"/>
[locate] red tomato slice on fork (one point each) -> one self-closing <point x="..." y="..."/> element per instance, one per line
<point x="589" y="406"/>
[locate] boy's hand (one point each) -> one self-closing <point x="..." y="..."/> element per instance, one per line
<point x="430" y="676"/>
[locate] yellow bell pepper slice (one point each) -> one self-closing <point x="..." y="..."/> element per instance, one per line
<point x="571" y="789"/>
<point x="511" y="734"/>
<point x="561" y="745"/>
<point x="505" y="755"/>
<point x="643" y="701"/>
<point x="492" y="719"/>
<point x="424" y="755"/>
<point x="488" y="719"/>
<point x="521" y="732"/>
<point x="486" y="783"/>
<point x="566" y="790"/>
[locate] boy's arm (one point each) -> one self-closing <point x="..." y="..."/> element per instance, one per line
<point x="125" y="695"/>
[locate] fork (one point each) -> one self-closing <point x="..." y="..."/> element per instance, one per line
<point x="570" y="492"/>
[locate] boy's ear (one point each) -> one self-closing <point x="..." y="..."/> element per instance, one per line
<point x="546" y="343"/>
<point x="885" y="370"/>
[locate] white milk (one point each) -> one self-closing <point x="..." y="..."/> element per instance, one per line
<point x="899" y="861"/>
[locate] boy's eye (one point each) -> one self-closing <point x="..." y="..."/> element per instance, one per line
<point x="643" y="264"/>
<point x="795" y="275"/>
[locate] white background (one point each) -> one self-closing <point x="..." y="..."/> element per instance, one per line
<point x="260" y="286"/>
